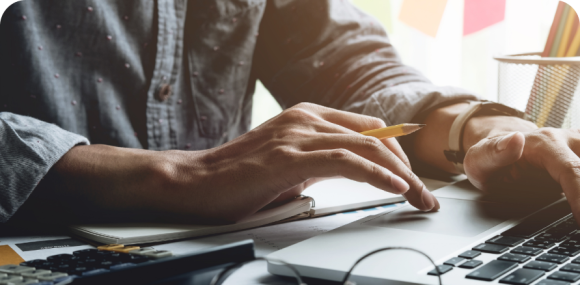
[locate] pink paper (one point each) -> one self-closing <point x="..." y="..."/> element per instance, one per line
<point x="480" y="14"/>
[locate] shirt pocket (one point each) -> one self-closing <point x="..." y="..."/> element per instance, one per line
<point x="220" y="40"/>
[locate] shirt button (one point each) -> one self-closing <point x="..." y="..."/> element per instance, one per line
<point x="164" y="92"/>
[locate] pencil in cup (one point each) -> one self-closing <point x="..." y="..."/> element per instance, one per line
<point x="393" y="131"/>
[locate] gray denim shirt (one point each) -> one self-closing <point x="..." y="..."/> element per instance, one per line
<point x="177" y="74"/>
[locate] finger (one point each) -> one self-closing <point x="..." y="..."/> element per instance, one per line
<point x="372" y="150"/>
<point x="349" y="120"/>
<point x="484" y="160"/>
<point x="392" y="144"/>
<point x="342" y="162"/>
<point x="563" y="165"/>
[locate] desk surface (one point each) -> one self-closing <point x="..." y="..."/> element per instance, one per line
<point x="267" y="240"/>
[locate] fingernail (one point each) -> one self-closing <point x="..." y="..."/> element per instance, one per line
<point x="428" y="200"/>
<point x="503" y="143"/>
<point x="399" y="184"/>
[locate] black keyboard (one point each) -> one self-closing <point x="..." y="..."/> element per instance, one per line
<point x="118" y="264"/>
<point x="545" y="245"/>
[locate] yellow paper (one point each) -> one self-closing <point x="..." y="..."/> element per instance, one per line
<point x="423" y="15"/>
<point x="9" y="256"/>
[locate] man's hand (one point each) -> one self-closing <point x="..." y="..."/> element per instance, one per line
<point x="273" y="162"/>
<point x="535" y="159"/>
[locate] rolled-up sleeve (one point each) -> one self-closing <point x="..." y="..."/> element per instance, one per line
<point x="28" y="149"/>
<point x="331" y="53"/>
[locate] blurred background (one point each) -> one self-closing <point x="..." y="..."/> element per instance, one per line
<point x="451" y="41"/>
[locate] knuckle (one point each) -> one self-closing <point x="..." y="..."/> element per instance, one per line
<point x="281" y="152"/>
<point x="339" y="154"/>
<point x="548" y="133"/>
<point x="371" y="142"/>
<point x="376" y="123"/>
<point x="304" y="105"/>
<point x="299" y="115"/>
<point x="572" y="168"/>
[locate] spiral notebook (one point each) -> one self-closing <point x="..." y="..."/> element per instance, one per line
<point x="323" y="198"/>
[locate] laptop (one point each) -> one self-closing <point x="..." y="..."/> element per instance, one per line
<point x="475" y="238"/>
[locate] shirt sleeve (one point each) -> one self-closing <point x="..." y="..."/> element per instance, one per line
<point x="28" y="149"/>
<point x="330" y="53"/>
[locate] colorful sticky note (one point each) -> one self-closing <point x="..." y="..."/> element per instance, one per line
<point x="9" y="256"/>
<point x="480" y="14"/>
<point x="423" y="15"/>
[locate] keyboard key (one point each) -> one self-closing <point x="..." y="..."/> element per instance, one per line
<point x="521" y="258"/>
<point x="556" y="237"/>
<point x="33" y="263"/>
<point x="470" y="254"/>
<point x="35" y="273"/>
<point x="570" y="244"/>
<point x="527" y="250"/>
<point x="552" y="282"/>
<point x="85" y="252"/>
<point x="553" y="258"/>
<point x="543" y="244"/>
<point x="565" y="276"/>
<point x="3" y="274"/>
<point x="158" y="254"/>
<point x="141" y="251"/>
<point x="26" y="281"/>
<point x="454" y="261"/>
<point x="491" y="248"/>
<point x="51" y="276"/>
<point x="492" y="270"/>
<point x="135" y="259"/>
<point x="442" y="270"/>
<point x="522" y="277"/>
<point x="541" y="265"/>
<point x="565" y="251"/>
<point x="10" y="279"/>
<point x="59" y="257"/>
<point x="508" y="241"/>
<point x="571" y="268"/>
<point x="470" y="264"/>
<point x="15" y="269"/>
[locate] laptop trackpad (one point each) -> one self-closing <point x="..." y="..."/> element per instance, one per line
<point x="463" y="218"/>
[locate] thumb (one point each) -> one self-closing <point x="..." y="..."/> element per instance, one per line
<point x="490" y="155"/>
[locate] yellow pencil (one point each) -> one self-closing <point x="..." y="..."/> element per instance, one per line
<point x="393" y="131"/>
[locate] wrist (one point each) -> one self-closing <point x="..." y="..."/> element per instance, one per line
<point x="479" y="128"/>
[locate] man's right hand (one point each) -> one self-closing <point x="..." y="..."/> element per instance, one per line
<point x="274" y="162"/>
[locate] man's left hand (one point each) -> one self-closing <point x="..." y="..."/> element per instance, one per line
<point x="544" y="158"/>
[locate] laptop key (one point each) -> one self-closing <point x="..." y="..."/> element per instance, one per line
<point x="570" y="244"/>
<point x="544" y="244"/>
<point x="442" y="269"/>
<point x="556" y="237"/>
<point x="504" y="240"/>
<point x="527" y="250"/>
<point x="454" y="261"/>
<point x="470" y="254"/>
<point x="470" y="264"/>
<point x="541" y="265"/>
<point x="552" y="282"/>
<point x="571" y="268"/>
<point x="520" y="258"/>
<point x="565" y="251"/>
<point x="565" y="276"/>
<point x="553" y="258"/>
<point x="522" y="277"/>
<point x="491" y="248"/>
<point x="492" y="270"/>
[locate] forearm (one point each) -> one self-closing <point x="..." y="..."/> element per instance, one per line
<point x="432" y="140"/>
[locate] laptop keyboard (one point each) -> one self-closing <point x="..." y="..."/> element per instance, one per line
<point x="527" y="253"/>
